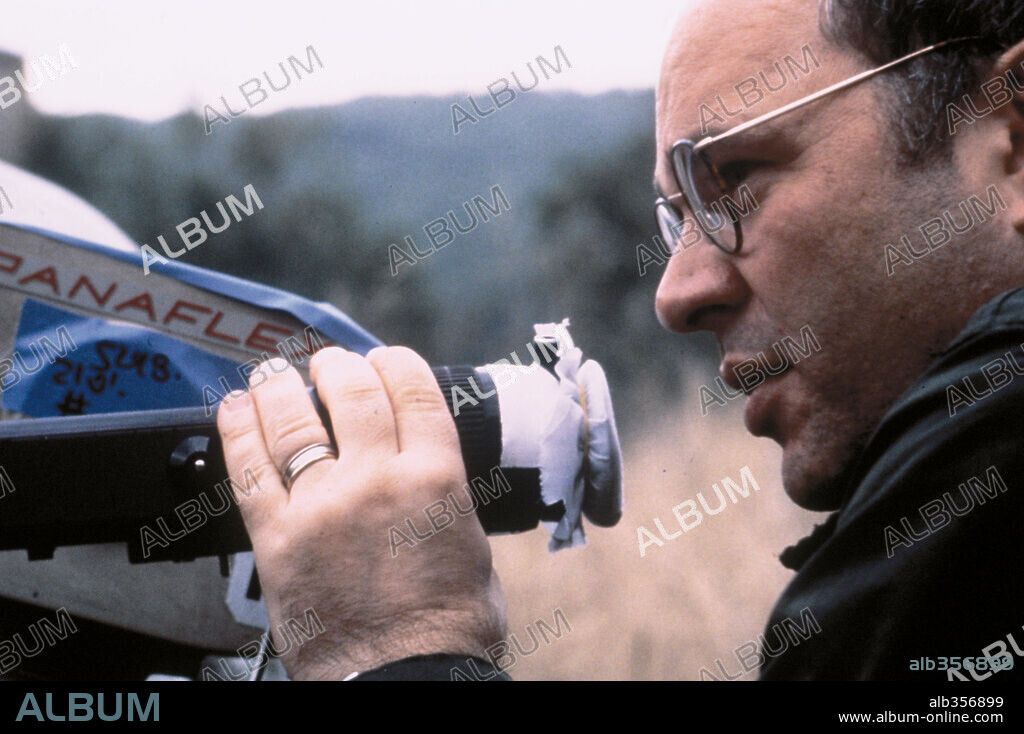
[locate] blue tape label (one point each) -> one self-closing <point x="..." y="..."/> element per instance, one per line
<point x="66" y="364"/>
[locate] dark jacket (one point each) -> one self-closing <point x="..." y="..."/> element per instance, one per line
<point x="924" y="559"/>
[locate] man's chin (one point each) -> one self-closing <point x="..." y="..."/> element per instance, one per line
<point x="811" y="485"/>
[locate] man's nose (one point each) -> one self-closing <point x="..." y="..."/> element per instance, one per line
<point x="699" y="285"/>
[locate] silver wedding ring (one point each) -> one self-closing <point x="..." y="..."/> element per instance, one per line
<point x="304" y="458"/>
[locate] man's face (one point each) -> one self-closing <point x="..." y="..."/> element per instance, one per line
<point x="831" y="196"/>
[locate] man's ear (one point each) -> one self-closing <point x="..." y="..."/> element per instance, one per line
<point x="1003" y="92"/>
<point x="987" y="129"/>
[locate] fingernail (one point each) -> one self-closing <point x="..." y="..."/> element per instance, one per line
<point x="277" y="365"/>
<point x="236" y="400"/>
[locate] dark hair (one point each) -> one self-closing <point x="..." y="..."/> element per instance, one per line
<point x="922" y="90"/>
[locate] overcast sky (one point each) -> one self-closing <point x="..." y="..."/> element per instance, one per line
<point x="151" y="60"/>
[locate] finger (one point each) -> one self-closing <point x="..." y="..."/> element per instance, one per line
<point x="287" y="417"/>
<point x="246" y="457"/>
<point x="421" y="415"/>
<point x="358" y="403"/>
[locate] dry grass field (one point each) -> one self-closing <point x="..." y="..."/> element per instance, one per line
<point x="683" y="605"/>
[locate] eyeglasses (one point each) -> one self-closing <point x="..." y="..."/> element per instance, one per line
<point x="706" y="192"/>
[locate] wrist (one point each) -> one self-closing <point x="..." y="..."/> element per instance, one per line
<point x="456" y="636"/>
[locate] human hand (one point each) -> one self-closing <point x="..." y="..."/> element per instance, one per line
<point x="324" y="544"/>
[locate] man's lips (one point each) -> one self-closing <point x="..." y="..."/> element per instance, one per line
<point x="761" y="415"/>
<point x="727" y="371"/>
<point x="763" y="396"/>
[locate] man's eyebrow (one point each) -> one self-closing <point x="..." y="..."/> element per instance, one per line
<point x="758" y="133"/>
<point x="695" y="136"/>
<point x="701" y="133"/>
<point x="710" y="132"/>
